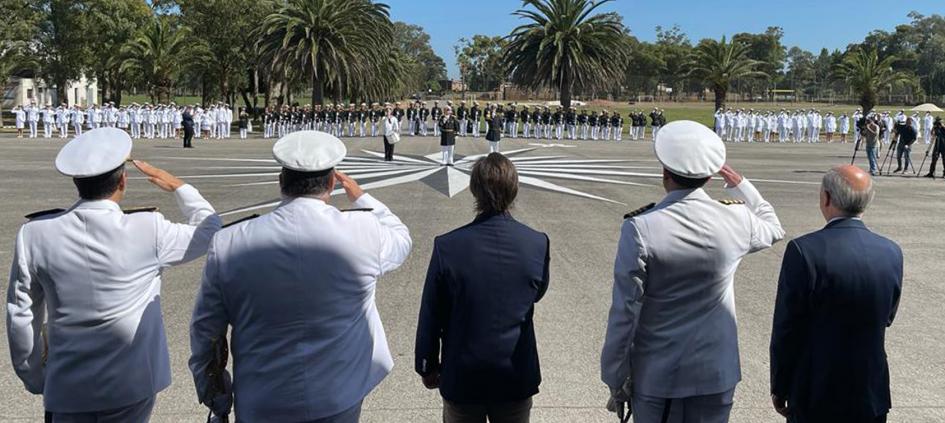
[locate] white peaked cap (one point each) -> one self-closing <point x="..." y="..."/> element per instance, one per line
<point x="309" y="151"/>
<point x="94" y="153"/>
<point x="690" y="149"/>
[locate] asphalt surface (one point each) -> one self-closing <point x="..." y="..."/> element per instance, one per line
<point x="571" y="319"/>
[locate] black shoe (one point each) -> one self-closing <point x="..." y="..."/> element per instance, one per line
<point x="930" y="175"/>
<point x="898" y="169"/>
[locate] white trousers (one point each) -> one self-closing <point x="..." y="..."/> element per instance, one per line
<point x="139" y="412"/>
<point x="447" y="151"/>
<point x="33" y="128"/>
<point x="493" y="146"/>
<point x="702" y="409"/>
<point x="47" y="130"/>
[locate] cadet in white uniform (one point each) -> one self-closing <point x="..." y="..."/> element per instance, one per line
<point x="20" y="116"/>
<point x="96" y="271"/>
<point x="671" y="334"/>
<point x="32" y="119"/>
<point x="297" y="288"/>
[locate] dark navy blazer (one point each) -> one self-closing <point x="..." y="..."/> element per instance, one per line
<point x="838" y="292"/>
<point x="475" y="324"/>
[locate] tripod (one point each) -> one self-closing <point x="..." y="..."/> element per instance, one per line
<point x="889" y="150"/>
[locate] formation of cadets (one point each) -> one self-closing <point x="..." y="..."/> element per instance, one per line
<point x="538" y="122"/>
<point x="159" y="121"/>
<point x="808" y="126"/>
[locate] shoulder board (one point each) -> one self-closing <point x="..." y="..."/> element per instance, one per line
<point x="357" y="210"/>
<point x="238" y="221"/>
<point x="639" y="211"/>
<point x="140" y="210"/>
<point x="731" y="202"/>
<point x="38" y="214"/>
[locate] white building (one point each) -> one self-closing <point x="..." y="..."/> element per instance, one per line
<point x="24" y="89"/>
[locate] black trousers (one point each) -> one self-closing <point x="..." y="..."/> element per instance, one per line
<point x="879" y="419"/>
<point x="388" y="150"/>
<point x="188" y="137"/>
<point x="938" y="150"/>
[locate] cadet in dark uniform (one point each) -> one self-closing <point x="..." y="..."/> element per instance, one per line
<point x="522" y="117"/>
<point x="569" y="120"/>
<point x="422" y="118"/>
<point x="582" y="120"/>
<point x="546" y="122"/>
<point x="462" y="114"/>
<point x="558" y="118"/>
<point x="435" y="114"/>
<point x="593" y="123"/>
<point x="495" y="123"/>
<point x="536" y="122"/>
<point x="448" y="127"/>
<point x="616" y="123"/>
<point x="475" y="116"/>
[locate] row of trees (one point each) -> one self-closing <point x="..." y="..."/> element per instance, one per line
<point x="567" y="46"/>
<point x="225" y="50"/>
<point x="350" y="50"/>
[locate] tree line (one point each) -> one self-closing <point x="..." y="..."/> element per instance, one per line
<point x="254" y="51"/>
<point x="264" y="52"/>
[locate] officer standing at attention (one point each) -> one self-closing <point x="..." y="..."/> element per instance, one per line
<point x="671" y="349"/>
<point x="297" y="287"/>
<point x="96" y="270"/>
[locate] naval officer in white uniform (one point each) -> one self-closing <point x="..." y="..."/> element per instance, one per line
<point x="297" y="287"/>
<point x="671" y="348"/>
<point x="96" y="271"/>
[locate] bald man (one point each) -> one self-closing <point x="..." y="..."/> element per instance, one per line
<point x="838" y="292"/>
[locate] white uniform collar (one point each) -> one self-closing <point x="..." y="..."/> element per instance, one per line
<point x="96" y="204"/>
<point x="303" y="201"/>
<point x="681" y="194"/>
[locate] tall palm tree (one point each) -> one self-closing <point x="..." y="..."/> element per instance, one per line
<point x="718" y="63"/>
<point x="565" y="46"/>
<point x="157" y="56"/>
<point x="868" y="75"/>
<point x="340" y="44"/>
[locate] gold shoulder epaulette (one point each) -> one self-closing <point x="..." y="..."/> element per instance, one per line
<point x="639" y="211"/>
<point x="140" y="210"/>
<point x="731" y="202"/>
<point x="39" y="214"/>
<point x="368" y="209"/>
<point x="250" y="217"/>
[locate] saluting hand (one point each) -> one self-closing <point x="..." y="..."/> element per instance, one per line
<point x="731" y="177"/>
<point x="160" y="177"/>
<point x="350" y="186"/>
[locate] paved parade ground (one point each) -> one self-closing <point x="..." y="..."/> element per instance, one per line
<point x="577" y="193"/>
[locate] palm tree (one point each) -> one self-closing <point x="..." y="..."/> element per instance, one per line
<point x="718" y="63"/>
<point x="340" y="44"/>
<point x="156" y="55"/>
<point x="868" y="75"/>
<point x="565" y="46"/>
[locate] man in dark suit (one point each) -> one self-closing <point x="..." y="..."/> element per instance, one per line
<point x="475" y="336"/>
<point x="187" y="120"/>
<point x="838" y="292"/>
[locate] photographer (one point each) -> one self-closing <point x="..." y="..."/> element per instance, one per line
<point x="907" y="135"/>
<point x="938" y="133"/>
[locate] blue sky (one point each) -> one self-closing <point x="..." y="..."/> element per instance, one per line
<point x="807" y="24"/>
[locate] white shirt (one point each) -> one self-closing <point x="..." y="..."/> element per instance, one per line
<point x="98" y="272"/>
<point x="674" y="292"/>
<point x="20" y="116"/>
<point x="297" y="286"/>
<point x="391" y="125"/>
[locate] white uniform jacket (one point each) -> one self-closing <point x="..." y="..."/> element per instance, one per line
<point x="98" y="271"/>
<point x="672" y="323"/>
<point x="297" y="286"/>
